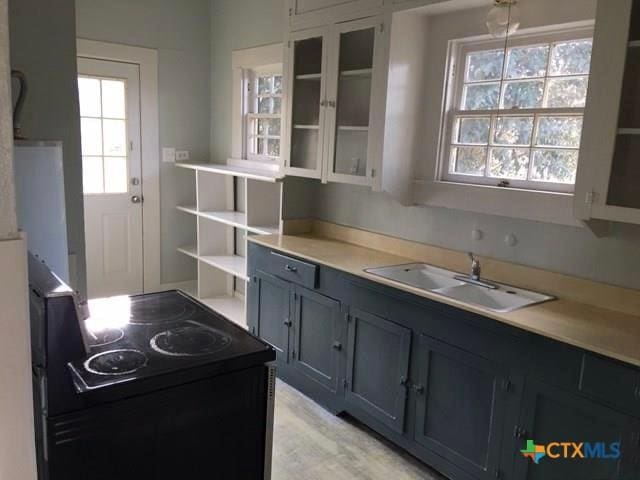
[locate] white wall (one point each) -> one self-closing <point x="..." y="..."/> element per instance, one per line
<point x="179" y="30"/>
<point x="17" y="446"/>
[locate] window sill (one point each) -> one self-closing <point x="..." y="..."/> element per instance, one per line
<point x="548" y="207"/>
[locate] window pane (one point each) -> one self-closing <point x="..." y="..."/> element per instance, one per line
<point x="481" y="97"/>
<point x="527" y="62"/>
<point x="509" y="163"/>
<point x="559" y="131"/>
<point x="89" y="92"/>
<point x="115" y="137"/>
<point x="277" y="85"/>
<point x="469" y="160"/>
<point x="483" y="66"/>
<point x="571" y="58"/>
<point x="263" y="126"/>
<point x="557" y="166"/>
<point x="273" y="148"/>
<point x="113" y="99"/>
<point x="567" y="92"/>
<point x="92" y="181"/>
<point x="115" y="175"/>
<point x="513" y="131"/>
<point x="523" y="94"/>
<point x="91" y="133"/>
<point x="277" y="105"/>
<point x="264" y="85"/>
<point x="264" y="105"/>
<point x="274" y="128"/>
<point x="261" y="150"/>
<point x="473" y="130"/>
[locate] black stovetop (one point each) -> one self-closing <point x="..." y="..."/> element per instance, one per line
<point x="135" y="338"/>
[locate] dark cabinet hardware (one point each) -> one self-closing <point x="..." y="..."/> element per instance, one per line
<point x="497" y="474"/>
<point x="337" y="346"/>
<point x="419" y="389"/>
<point x="404" y="381"/>
<point x="290" y="268"/>
<point x="287" y="322"/>
<point x="519" y="432"/>
<point x="507" y="385"/>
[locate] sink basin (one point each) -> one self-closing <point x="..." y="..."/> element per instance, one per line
<point x="418" y="275"/>
<point x="502" y="299"/>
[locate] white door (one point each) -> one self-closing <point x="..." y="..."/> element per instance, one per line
<point x="112" y="176"/>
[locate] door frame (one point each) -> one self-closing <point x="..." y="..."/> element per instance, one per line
<point x="147" y="59"/>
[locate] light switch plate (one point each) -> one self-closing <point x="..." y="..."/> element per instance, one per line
<point x="182" y="155"/>
<point x="169" y="155"/>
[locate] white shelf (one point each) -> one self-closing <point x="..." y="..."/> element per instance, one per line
<point x="190" y="251"/>
<point x="309" y="76"/>
<point x="232" y="264"/>
<point x="235" y="219"/>
<point x="232" y="170"/>
<point x="264" y="229"/>
<point x="229" y="306"/>
<point x="347" y="128"/>
<point x="192" y="209"/>
<point x="365" y="72"/>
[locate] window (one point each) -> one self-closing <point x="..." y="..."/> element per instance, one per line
<point x="515" y="117"/>
<point x="104" y="135"/>
<point x="264" y="116"/>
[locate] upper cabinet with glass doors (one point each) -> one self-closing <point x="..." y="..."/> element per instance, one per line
<point x="608" y="180"/>
<point x="337" y="102"/>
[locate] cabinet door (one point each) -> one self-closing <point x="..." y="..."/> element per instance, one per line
<point x="553" y="415"/>
<point x="377" y="367"/>
<point x="270" y="306"/>
<point x="314" y="13"/>
<point x="305" y="87"/>
<point x="606" y="186"/>
<point x="461" y="407"/>
<point x="317" y="345"/>
<point x="354" y="92"/>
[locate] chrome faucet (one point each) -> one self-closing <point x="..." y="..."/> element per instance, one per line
<point x="474" y="277"/>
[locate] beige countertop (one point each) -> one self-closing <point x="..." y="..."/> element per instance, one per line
<point x="597" y="329"/>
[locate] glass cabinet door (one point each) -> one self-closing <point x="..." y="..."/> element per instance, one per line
<point x="625" y="170"/>
<point x="349" y="146"/>
<point x="306" y="110"/>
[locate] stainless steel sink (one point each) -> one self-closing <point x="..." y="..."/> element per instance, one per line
<point x="502" y="298"/>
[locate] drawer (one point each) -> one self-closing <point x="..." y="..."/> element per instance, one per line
<point x="293" y="270"/>
<point x="611" y="382"/>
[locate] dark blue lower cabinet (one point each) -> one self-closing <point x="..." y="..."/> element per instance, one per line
<point x="269" y="315"/>
<point x="602" y="443"/>
<point x="318" y="338"/>
<point x="461" y="404"/>
<point x="378" y="367"/>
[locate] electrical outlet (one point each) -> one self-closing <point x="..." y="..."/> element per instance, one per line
<point x="182" y="155"/>
<point x="169" y="155"/>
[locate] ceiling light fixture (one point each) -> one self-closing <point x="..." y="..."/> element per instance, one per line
<point x="504" y="18"/>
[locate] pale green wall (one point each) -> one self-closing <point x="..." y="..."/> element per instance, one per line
<point x="179" y="30"/>
<point x="245" y="23"/>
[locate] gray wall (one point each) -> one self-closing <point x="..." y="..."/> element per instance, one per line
<point x="43" y="45"/>
<point x="575" y="251"/>
<point x="179" y="30"/>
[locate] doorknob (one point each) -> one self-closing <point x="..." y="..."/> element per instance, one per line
<point x="136" y="199"/>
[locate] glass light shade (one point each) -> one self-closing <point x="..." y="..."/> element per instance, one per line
<point x="503" y="19"/>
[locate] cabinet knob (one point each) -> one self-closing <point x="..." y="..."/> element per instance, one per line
<point x="404" y="381"/>
<point x="337" y="346"/>
<point x="419" y="389"/>
<point x="287" y="322"/>
<point x="290" y="268"/>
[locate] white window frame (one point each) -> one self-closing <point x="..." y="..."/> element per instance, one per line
<point x="459" y="49"/>
<point x="246" y="64"/>
<point x="252" y="115"/>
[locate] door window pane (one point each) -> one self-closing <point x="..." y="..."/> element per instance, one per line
<point x="115" y="175"/>
<point x="92" y="176"/>
<point x="113" y="99"/>
<point x="91" y="134"/>
<point x="115" y="137"/>
<point x="89" y="92"/>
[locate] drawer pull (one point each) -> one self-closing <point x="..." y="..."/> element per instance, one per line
<point x="337" y="346"/>
<point x="419" y="389"/>
<point x="287" y="323"/>
<point x="291" y="269"/>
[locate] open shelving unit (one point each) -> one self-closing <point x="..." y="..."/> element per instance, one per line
<point x="232" y="203"/>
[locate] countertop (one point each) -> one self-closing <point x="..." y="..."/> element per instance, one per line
<point x="600" y="330"/>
